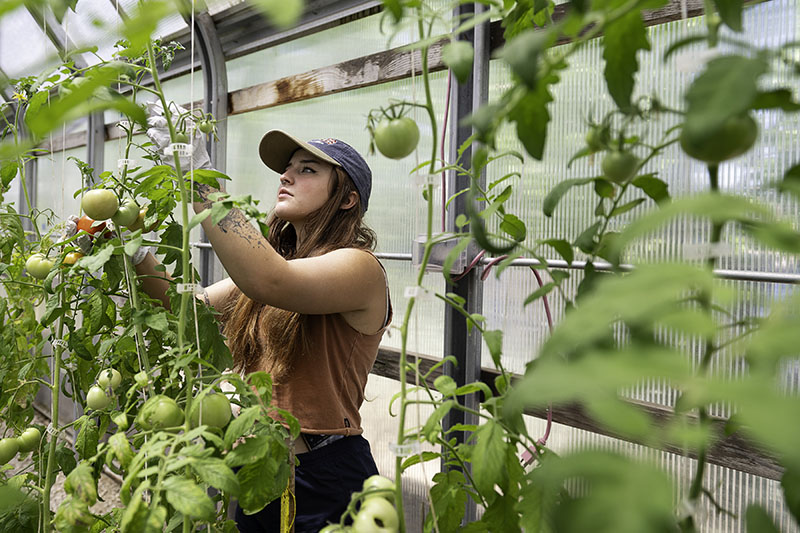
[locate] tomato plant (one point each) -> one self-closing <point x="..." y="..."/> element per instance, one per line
<point x="205" y="126"/>
<point x="396" y="138"/>
<point x="39" y="266"/>
<point x="100" y="204"/>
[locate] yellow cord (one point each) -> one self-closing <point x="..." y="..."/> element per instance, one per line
<point x="287" y="506"/>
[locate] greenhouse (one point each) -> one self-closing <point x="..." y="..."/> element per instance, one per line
<point x="582" y="316"/>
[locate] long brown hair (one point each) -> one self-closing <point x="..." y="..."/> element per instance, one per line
<point x="262" y="337"/>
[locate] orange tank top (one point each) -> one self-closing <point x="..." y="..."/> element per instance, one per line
<point x="325" y="388"/>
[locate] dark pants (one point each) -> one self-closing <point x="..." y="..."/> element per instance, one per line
<point x="324" y="481"/>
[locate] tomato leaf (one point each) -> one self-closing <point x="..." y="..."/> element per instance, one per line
<point x="730" y="11"/>
<point x="586" y="240"/>
<point x="515" y="227"/>
<point x="489" y="457"/>
<point x="624" y="208"/>
<point x="562" y="247"/>
<point x="81" y="484"/>
<point x="188" y="498"/>
<point x="96" y="261"/>
<point x="242" y="424"/>
<point x="261" y="482"/>
<point x="449" y="499"/>
<point x="622" y="40"/>
<point x="432" y="426"/>
<point x="522" y="54"/>
<point x="445" y="384"/>
<point x="531" y="115"/>
<point x="88" y="438"/>
<point x="652" y="187"/>
<point x="556" y="193"/>
<point x="790" y="483"/>
<point x="494" y="341"/>
<point x="758" y="520"/>
<point x="727" y="87"/>
<point x="538" y="293"/>
<point x="777" y="99"/>
<point x="458" y="56"/>
<point x="217" y="474"/>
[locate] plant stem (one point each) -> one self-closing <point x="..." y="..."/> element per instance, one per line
<point x="704" y="298"/>
<point x="55" y="392"/>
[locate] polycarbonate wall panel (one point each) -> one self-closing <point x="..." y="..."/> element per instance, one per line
<point x="24" y="48"/>
<point x="328" y="47"/>
<point x="58" y="177"/>
<point x="581" y="94"/>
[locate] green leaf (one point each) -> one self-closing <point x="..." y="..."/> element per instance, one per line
<point x="445" y="384"/>
<point x="449" y="500"/>
<point x="133" y="245"/>
<point x="122" y="449"/>
<point x="512" y="225"/>
<point x="432" y="426"/>
<point x="88" y="438"/>
<point x="778" y="235"/>
<point x="531" y="115"/>
<point x="730" y="11"/>
<point x="652" y="187"/>
<point x="80" y="484"/>
<point x="562" y="247"/>
<point x="458" y="56"/>
<point x="242" y="425"/>
<point x="217" y="474"/>
<point x="624" y="208"/>
<point x="790" y="482"/>
<point x="728" y="87"/>
<point x="494" y="341"/>
<point x="776" y="99"/>
<point x="261" y="482"/>
<point x="477" y="386"/>
<point x="538" y="293"/>
<point x="556" y="193"/>
<point x="758" y="520"/>
<point x="96" y="261"/>
<point x="188" y="498"/>
<point x="622" y="40"/>
<point x="249" y="451"/>
<point x="282" y="13"/>
<point x="8" y="171"/>
<point x="488" y="458"/>
<point x="199" y="218"/>
<point x="65" y="458"/>
<point x="586" y="240"/>
<point x="522" y="54"/>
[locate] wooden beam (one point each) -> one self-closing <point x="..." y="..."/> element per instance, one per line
<point x="731" y="451"/>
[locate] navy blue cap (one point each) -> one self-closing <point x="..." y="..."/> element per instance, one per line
<point x="276" y="149"/>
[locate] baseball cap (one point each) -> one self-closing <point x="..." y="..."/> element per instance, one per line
<point x="276" y="149"/>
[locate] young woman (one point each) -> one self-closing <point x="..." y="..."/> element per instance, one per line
<point x="309" y="304"/>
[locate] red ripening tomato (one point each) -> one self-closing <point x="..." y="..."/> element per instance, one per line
<point x="89" y="225"/>
<point x="71" y="258"/>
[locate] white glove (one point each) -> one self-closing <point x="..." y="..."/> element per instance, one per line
<point x="140" y="253"/>
<point x="158" y="132"/>
<point x="84" y="241"/>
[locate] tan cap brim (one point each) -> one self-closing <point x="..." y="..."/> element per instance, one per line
<point x="276" y="149"/>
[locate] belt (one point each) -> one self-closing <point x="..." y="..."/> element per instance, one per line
<point x="315" y="442"/>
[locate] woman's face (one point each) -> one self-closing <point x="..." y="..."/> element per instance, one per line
<point x="304" y="188"/>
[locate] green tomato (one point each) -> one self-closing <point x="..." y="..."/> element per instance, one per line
<point x="100" y="204"/>
<point x="8" y="449"/>
<point x="376" y="515"/>
<point x="396" y="138"/>
<point x="733" y="137"/>
<point x="97" y="398"/>
<point x="335" y="528"/>
<point x="597" y="139"/>
<point x="141" y="379"/>
<point x="159" y="412"/>
<point x="216" y="411"/>
<point x="109" y="378"/>
<point x="29" y="440"/>
<point x="181" y="137"/>
<point x="619" y="166"/>
<point x="39" y="266"/>
<point x="127" y="213"/>
<point x="205" y="126"/>
<point x="376" y="483"/>
<point x="458" y="55"/>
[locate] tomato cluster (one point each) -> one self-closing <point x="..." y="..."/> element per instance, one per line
<point x="26" y="442"/>
<point x="377" y="513"/>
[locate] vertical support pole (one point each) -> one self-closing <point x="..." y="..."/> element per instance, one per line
<point x="215" y="84"/>
<point x="95" y="142"/>
<point x="465" y="346"/>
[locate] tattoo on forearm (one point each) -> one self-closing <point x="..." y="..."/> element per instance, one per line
<point x="234" y="222"/>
